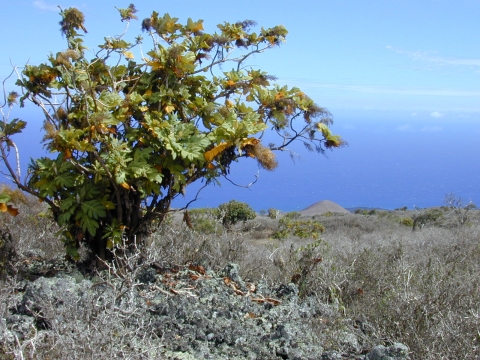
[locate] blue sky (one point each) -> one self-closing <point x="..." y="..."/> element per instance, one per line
<point x="400" y="77"/>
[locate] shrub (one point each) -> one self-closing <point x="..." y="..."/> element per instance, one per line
<point x="330" y="214"/>
<point x="459" y="208"/>
<point x="205" y="220"/>
<point x="234" y="211"/>
<point x="273" y="213"/>
<point x="430" y="216"/>
<point x="407" y="221"/>
<point x="299" y="228"/>
<point x="293" y="215"/>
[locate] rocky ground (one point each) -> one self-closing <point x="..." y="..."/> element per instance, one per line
<point x="165" y="312"/>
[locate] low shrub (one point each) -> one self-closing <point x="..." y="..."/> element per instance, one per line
<point x="205" y="220"/>
<point x="234" y="212"/>
<point x="293" y="215"/>
<point x="273" y="213"/>
<point x="408" y="221"/>
<point x="299" y="228"/>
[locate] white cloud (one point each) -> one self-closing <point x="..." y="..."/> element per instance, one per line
<point x="414" y="114"/>
<point x="39" y="4"/>
<point x="438" y="60"/>
<point x="436" y="114"/>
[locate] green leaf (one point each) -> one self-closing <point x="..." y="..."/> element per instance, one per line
<point x="13" y="127"/>
<point x="93" y="209"/>
<point x="135" y="98"/>
<point x="65" y="217"/>
<point x="68" y="207"/>
<point x="110" y="99"/>
<point x="87" y="223"/>
<point x="72" y="251"/>
<point x="65" y="180"/>
<point x="107" y="204"/>
<point x="4" y="198"/>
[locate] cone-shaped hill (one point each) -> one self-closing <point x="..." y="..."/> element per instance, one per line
<point x="322" y="207"/>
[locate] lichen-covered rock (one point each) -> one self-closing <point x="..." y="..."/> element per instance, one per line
<point x="394" y="352"/>
<point x="181" y="313"/>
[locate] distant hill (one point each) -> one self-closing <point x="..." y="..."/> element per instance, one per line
<point x="322" y="207"/>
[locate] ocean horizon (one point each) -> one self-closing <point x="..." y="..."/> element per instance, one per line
<point x="386" y="165"/>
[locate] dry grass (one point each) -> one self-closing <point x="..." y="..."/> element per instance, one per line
<point x="421" y="288"/>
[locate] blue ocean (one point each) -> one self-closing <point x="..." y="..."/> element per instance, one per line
<point x="387" y="165"/>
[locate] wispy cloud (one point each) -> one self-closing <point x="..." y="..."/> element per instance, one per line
<point x="42" y="5"/>
<point x="384" y="89"/>
<point x="438" y="60"/>
<point x="436" y="114"/>
<point x="410" y="128"/>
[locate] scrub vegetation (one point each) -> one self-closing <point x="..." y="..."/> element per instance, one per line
<point x="418" y="287"/>
<point x="129" y="130"/>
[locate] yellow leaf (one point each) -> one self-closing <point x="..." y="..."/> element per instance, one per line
<point x="334" y="141"/>
<point x="110" y="244"/>
<point x="102" y="129"/>
<point x="9" y="208"/>
<point x="68" y="154"/>
<point x="324" y="129"/>
<point x="271" y="39"/>
<point x="155" y="64"/>
<point x="210" y="166"/>
<point x="169" y="108"/>
<point x="249" y="141"/>
<point x="198" y="27"/>
<point x="125" y="185"/>
<point x="210" y="154"/>
<point x="128" y="55"/>
<point x="230" y="83"/>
